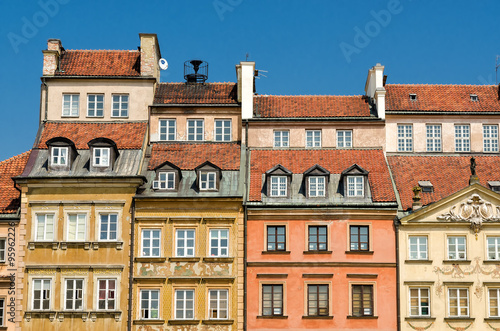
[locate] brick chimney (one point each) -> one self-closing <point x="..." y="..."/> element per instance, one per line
<point x="150" y="55"/>
<point x="245" y="74"/>
<point x="374" y="88"/>
<point x="51" y="57"/>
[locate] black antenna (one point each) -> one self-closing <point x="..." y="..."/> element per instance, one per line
<point x="248" y="55"/>
<point x="496" y="69"/>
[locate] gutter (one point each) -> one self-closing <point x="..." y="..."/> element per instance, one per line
<point x="442" y="112"/>
<point x="98" y="77"/>
<point x="131" y="264"/>
<point x="160" y="105"/>
<point x="326" y="119"/>
<point x="46" y="101"/>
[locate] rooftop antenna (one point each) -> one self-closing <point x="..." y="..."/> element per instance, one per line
<point x="496" y="69"/>
<point x="248" y="55"/>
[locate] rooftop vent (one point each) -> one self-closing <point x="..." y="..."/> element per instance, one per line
<point x="413" y="96"/>
<point x="195" y="71"/>
<point x="473" y="97"/>
<point x="494" y="186"/>
<point x="426" y="186"/>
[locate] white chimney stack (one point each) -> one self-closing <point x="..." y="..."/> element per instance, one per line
<point x="374" y="88"/>
<point x="244" y="73"/>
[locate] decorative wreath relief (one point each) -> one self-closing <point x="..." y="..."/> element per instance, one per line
<point x="460" y="328"/>
<point x="418" y="328"/>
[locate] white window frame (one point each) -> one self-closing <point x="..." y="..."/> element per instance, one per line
<point x="344" y="138"/>
<point x="100" y="160"/>
<point x="494" y="245"/>
<point x="166" y="180"/>
<point x="420" y="307"/>
<point x="3" y="250"/>
<point x="167" y="124"/>
<point x="107" y="288"/>
<point x="109" y="222"/>
<point x="433" y="138"/>
<point x="225" y="124"/>
<point x="355" y="186"/>
<point x="2" y="311"/>
<point x="490" y="138"/>
<point x="78" y="294"/>
<point x="79" y="222"/>
<point x="216" y="305"/>
<point x="279" y="186"/>
<point x="462" y="138"/>
<point x="61" y="158"/>
<point x="209" y="182"/>
<point x="70" y="105"/>
<point x="457" y="291"/>
<point x="46" y="236"/>
<point x="453" y="240"/>
<point x="281" y="138"/>
<point x="93" y="105"/>
<point x="187" y="250"/>
<point x="184" y="300"/>
<point x="497" y="299"/>
<point x="313" y="138"/>
<point x="421" y="247"/>
<point x="44" y="296"/>
<point x="150" y="301"/>
<point x="118" y="99"/>
<point x="152" y="242"/>
<point x="317" y="186"/>
<point x="195" y="124"/>
<point x="217" y="236"/>
<point x="405" y="138"/>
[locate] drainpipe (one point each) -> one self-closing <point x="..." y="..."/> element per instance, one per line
<point x="45" y="112"/>
<point x="131" y="271"/>
<point x="398" y="298"/>
<point x="245" y="213"/>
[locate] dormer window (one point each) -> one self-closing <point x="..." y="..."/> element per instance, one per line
<point x="100" y="157"/>
<point x="207" y="180"/>
<point x="474" y="97"/>
<point x="355" y="182"/>
<point x="413" y="96"/>
<point x="316" y="181"/>
<point x="103" y="153"/>
<point x="278" y="182"/>
<point x="355" y="186"/>
<point x="426" y="186"/>
<point x="167" y="177"/>
<point x="494" y="185"/>
<point x="59" y="156"/>
<point x="208" y="176"/>
<point x="62" y="153"/>
<point x="279" y="186"/>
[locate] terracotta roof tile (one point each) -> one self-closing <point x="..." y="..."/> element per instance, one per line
<point x="208" y="93"/>
<point x="99" y="63"/>
<point x="188" y="156"/>
<point x="449" y="98"/>
<point x="9" y="196"/>
<point x="311" y="106"/>
<point x="126" y="135"/>
<point x="448" y="174"/>
<point x="335" y="161"/>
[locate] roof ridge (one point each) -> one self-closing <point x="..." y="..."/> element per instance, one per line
<point x="95" y="122"/>
<point x="15" y="157"/>
<point x="317" y="149"/>
<point x="102" y="50"/>
<point x="309" y="95"/>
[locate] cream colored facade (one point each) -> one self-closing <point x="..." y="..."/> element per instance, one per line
<point x="454" y="252"/>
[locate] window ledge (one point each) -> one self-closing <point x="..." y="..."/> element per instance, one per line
<point x="456" y="261"/>
<point x="272" y="317"/>
<point x="317" y="252"/>
<point x="491" y="261"/>
<point x="362" y="317"/>
<point x="149" y="322"/>
<point x="45" y="244"/>
<point x="419" y="318"/>
<point x="218" y="322"/>
<point x="458" y="319"/>
<point x="492" y="318"/>
<point x="29" y="314"/>
<point x="317" y="317"/>
<point x="184" y="259"/>
<point x="276" y="252"/>
<point x="183" y="322"/>
<point x="360" y="252"/>
<point x="418" y="261"/>
<point x="218" y="259"/>
<point x="149" y="259"/>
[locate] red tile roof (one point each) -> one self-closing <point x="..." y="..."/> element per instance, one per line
<point x="208" y="93"/>
<point x="188" y="156"/>
<point x="448" y="174"/>
<point x="99" y="63"/>
<point x="335" y="161"/>
<point x="311" y="106"/>
<point x="449" y="98"/>
<point x="125" y="135"/>
<point x="9" y="196"/>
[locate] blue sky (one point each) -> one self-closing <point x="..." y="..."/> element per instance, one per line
<point x="307" y="47"/>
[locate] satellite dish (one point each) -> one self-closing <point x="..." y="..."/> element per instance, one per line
<point x="163" y="64"/>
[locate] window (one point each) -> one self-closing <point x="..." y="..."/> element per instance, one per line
<point x="95" y="105"/>
<point x="413" y="96"/>
<point x="355" y="186"/>
<point x="344" y="138"/>
<point x="494" y="298"/>
<point x="184" y="243"/>
<point x="359" y="238"/>
<point x="195" y="130"/>
<point x="77" y="224"/>
<point x="59" y="155"/>
<point x="405" y="138"/>
<point x="2" y="250"/>
<point x="419" y="302"/>
<point x="166" y="181"/>
<point x="316" y="186"/>
<point x="207" y="180"/>
<point x="184" y="304"/>
<point x="74" y="294"/>
<point x="317" y="300"/>
<point x="151" y="243"/>
<point x="473" y="97"/>
<point x="2" y="312"/>
<point x="490" y="138"/>
<point x="272" y="300"/>
<point x="313" y="138"/>
<point x="106" y="294"/>
<point x="167" y="130"/>
<point x="44" y="230"/>
<point x="222" y="130"/>
<point x="456" y="248"/>
<point x="218" y="305"/>
<point x="41" y="294"/>
<point x="433" y="133"/>
<point x="281" y="138"/>
<point x="120" y="105"/>
<point x="219" y="243"/>
<point x="150" y="304"/>
<point x="101" y="157"/>
<point x="426" y="186"/>
<point x="418" y="247"/>
<point x="493" y="248"/>
<point x="362" y="300"/>
<point x="279" y="186"/>
<point x="276" y="238"/>
<point x="458" y="302"/>
<point x="71" y="104"/>
<point x="318" y="238"/>
<point x="462" y="138"/>
<point x="108" y="227"/>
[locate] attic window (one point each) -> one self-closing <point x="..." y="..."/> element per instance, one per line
<point x="494" y="186"/>
<point x="62" y="153"/>
<point x="167" y="177"/>
<point x="473" y="97"/>
<point x="413" y="96"/>
<point x="103" y="153"/>
<point x="278" y="180"/>
<point x="426" y="186"/>
<point x="208" y="176"/>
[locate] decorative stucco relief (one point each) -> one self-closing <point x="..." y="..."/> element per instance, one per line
<point x="185" y="328"/>
<point x="185" y="269"/>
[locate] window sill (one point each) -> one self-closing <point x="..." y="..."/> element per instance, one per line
<point x="317" y="317"/>
<point x="63" y="245"/>
<point x="272" y="317"/>
<point x="276" y="252"/>
<point x="150" y="259"/>
<point x="362" y="317"/>
<point x="360" y="252"/>
<point x="418" y="261"/>
<point x="317" y="252"/>
<point x="218" y="259"/>
<point x="492" y="318"/>
<point x="458" y="319"/>
<point x="149" y="322"/>
<point x="420" y="318"/>
<point x="491" y="261"/>
<point x="50" y="314"/>
<point x="217" y="322"/>
<point x="184" y="259"/>
<point x="183" y="322"/>
<point x="456" y="261"/>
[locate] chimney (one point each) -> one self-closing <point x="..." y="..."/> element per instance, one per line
<point x="51" y="57"/>
<point x="150" y="55"/>
<point x="374" y="88"/>
<point x="417" y="204"/>
<point x="245" y="74"/>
